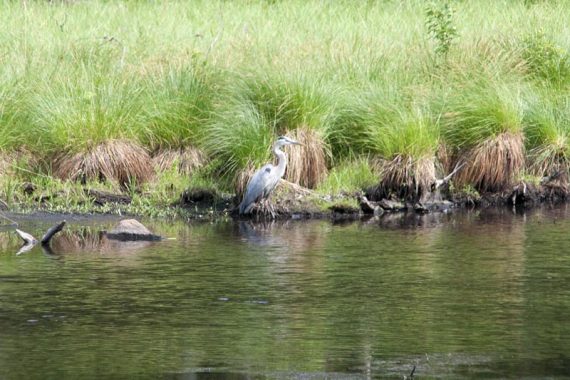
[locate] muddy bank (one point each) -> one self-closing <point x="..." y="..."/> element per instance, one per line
<point x="294" y="202"/>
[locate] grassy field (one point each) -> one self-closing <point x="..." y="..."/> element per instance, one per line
<point x="162" y="96"/>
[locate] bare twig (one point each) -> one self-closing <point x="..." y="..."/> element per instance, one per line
<point x="438" y="183"/>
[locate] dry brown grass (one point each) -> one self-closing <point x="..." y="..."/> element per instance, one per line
<point x="444" y="156"/>
<point x="494" y="164"/>
<point x="242" y="178"/>
<point x="307" y="164"/>
<point x="545" y="161"/>
<point x="186" y="159"/>
<point x="119" y="161"/>
<point x="405" y="177"/>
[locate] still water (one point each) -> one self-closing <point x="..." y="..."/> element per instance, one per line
<point x="464" y="295"/>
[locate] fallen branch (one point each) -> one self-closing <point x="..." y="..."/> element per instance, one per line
<point x="445" y="180"/>
<point x="26" y="237"/>
<point x="30" y="241"/>
<point x="52" y="231"/>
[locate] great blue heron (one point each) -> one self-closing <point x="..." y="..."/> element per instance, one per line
<point x="265" y="179"/>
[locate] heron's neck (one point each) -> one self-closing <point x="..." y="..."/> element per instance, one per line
<point x="282" y="160"/>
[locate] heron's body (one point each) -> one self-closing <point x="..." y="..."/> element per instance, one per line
<point x="265" y="179"/>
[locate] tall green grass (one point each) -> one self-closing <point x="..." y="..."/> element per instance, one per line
<point x="548" y="134"/>
<point x="257" y="108"/>
<point x="474" y="112"/>
<point x="229" y="77"/>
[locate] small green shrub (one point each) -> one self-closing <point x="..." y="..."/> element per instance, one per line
<point x="439" y="22"/>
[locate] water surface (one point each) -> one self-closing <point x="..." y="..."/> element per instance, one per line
<point x="462" y="295"/>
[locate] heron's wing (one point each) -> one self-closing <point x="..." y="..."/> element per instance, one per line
<point x="259" y="186"/>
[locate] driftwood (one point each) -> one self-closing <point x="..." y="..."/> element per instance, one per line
<point x="433" y="198"/>
<point x="52" y="231"/>
<point x="30" y="241"/>
<point x="26" y="237"/>
<point x="445" y="180"/>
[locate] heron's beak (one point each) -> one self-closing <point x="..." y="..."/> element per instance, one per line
<point x="296" y="142"/>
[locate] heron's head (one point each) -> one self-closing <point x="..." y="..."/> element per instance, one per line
<point x="284" y="140"/>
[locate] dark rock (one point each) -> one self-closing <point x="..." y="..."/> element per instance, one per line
<point x="433" y="206"/>
<point x="199" y="195"/>
<point x="341" y="208"/>
<point x="367" y="206"/>
<point x="390" y="205"/>
<point x="378" y="211"/>
<point x="47" y="197"/>
<point x="131" y="229"/>
<point x="421" y="209"/>
<point x="28" y="188"/>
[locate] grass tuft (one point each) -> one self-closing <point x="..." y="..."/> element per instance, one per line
<point x="180" y="102"/>
<point x="548" y="136"/>
<point x="406" y="140"/>
<point x="118" y="161"/>
<point x="494" y="164"/>
<point x="185" y="160"/>
<point x="256" y="110"/>
<point x="307" y="164"/>
<point x="405" y="177"/>
<point x="482" y="121"/>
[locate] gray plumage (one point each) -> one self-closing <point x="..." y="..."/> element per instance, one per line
<point x="265" y="179"/>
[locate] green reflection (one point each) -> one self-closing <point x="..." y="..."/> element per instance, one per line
<point x="480" y="294"/>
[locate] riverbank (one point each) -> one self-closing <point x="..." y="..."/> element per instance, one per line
<point x="404" y="94"/>
<point x="289" y="202"/>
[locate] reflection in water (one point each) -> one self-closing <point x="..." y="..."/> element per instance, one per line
<point x="464" y="295"/>
<point x="87" y="240"/>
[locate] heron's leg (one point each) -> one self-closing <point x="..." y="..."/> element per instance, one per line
<point x="271" y="208"/>
<point x="267" y="207"/>
<point x="263" y="206"/>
